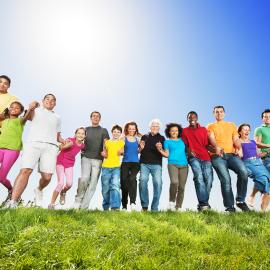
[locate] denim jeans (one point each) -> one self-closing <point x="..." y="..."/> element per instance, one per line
<point x="110" y="185"/>
<point x="222" y="166"/>
<point x="203" y="179"/>
<point x="156" y="172"/>
<point x="266" y="163"/>
<point x="258" y="172"/>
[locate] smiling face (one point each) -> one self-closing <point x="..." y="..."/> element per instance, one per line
<point x="49" y="102"/>
<point x="4" y="85"/>
<point x="266" y="118"/>
<point x="131" y="130"/>
<point x="95" y="119"/>
<point x="192" y="119"/>
<point x="15" y="109"/>
<point x="219" y="114"/>
<point x="154" y="129"/>
<point x="244" y="132"/>
<point x="174" y="132"/>
<point x="80" y="134"/>
<point x="116" y="133"/>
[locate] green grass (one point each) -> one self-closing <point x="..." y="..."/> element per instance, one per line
<point x="44" y="239"/>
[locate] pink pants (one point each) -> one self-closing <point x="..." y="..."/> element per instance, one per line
<point x="61" y="172"/>
<point x="7" y="159"/>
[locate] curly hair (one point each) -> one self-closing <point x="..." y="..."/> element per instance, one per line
<point x="170" y="126"/>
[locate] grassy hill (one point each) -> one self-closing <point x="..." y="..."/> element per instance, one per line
<point x="44" y="239"/>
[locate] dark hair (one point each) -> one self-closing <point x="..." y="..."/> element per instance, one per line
<point x="265" y="111"/>
<point x="171" y="125"/>
<point x="219" y="107"/>
<point x="79" y="129"/>
<point x="50" y="95"/>
<point x="95" y="112"/>
<point x="131" y="124"/>
<point x="6" y="111"/>
<point x="241" y="127"/>
<point x="116" y="127"/>
<point x="6" y="78"/>
<point x="192" y="112"/>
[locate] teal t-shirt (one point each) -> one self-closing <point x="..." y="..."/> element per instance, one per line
<point x="177" y="153"/>
<point x="11" y="134"/>
<point x="264" y="132"/>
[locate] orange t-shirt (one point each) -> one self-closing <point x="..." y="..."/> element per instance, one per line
<point x="224" y="133"/>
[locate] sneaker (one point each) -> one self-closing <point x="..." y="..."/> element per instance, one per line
<point x="133" y="207"/>
<point x="144" y="209"/>
<point x="202" y="208"/>
<point x="243" y="206"/>
<point x="76" y="205"/>
<point x="171" y="206"/>
<point x="124" y="209"/>
<point x="250" y="201"/>
<point x="8" y="198"/>
<point x="11" y="205"/>
<point x="179" y="209"/>
<point x="62" y="198"/>
<point x="51" y="206"/>
<point x="230" y="210"/>
<point x="38" y="197"/>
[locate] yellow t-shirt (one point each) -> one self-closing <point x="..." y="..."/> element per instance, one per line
<point x="5" y="100"/>
<point x="113" y="159"/>
<point x="224" y="133"/>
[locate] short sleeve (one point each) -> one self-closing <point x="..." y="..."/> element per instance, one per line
<point x="258" y="132"/>
<point x="234" y="128"/>
<point x="210" y="128"/>
<point x="184" y="137"/>
<point x="105" y="134"/>
<point x="58" y="128"/>
<point x="166" y="145"/>
<point x="143" y="138"/>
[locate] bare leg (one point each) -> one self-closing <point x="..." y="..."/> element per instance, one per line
<point x="20" y="183"/>
<point x="250" y="199"/>
<point x="265" y="201"/>
<point x="54" y="197"/>
<point x="44" y="180"/>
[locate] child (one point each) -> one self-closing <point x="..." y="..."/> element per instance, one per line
<point x="110" y="178"/>
<point x="11" y="140"/>
<point x="254" y="166"/>
<point x="65" y="163"/>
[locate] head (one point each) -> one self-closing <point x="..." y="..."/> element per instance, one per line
<point x="155" y="126"/>
<point x="131" y="129"/>
<point x="15" y="109"/>
<point x="266" y="116"/>
<point x="173" y="131"/>
<point x="95" y="118"/>
<point x="244" y="130"/>
<point x="219" y="112"/>
<point x="49" y="101"/>
<point x="80" y="134"/>
<point x="192" y="118"/>
<point x="4" y="84"/>
<point x="116" y="132"/>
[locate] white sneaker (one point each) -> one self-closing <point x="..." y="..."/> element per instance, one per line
<point x="62" y="198"/>
<point x="38" y="197"/>
<point x="180" y="210"/>
<point x="51" y="206"/>
<point x="76" y="205"/>
<point x="11" y="205"/>
<point x="171" y="206"/>
<point x="133" y="207"/>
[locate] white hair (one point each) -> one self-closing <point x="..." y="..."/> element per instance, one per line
<point x="155" y="121"/>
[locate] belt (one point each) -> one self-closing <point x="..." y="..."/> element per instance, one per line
<point x="251" y="158"/>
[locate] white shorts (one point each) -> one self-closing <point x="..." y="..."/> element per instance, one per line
<point x="44" y="154"/>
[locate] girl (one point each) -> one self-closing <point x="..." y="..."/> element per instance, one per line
<point x="175" y="151"/>
<point x="11" y="140"/>
<point x="130" y="165"/>
<point x="254" y="165"/>
<point x="65" y="163"/>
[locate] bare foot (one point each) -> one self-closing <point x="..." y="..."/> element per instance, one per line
<point x="250" y="201"/>
<point x="265" y="201"/>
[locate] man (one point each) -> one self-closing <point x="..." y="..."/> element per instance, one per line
<point x="262" y="137"/>
<point x="40" y="148"/>
<point x="226" y="136"/>
<point x="91" y="161"/>
<point x="151" y="163"/>
<point x="5" y="98"/>
<point x="197" y="140"/>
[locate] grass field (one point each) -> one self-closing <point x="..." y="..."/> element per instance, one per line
<point x="43" y="239"/>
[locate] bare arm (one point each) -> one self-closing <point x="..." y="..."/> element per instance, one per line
<point x="237" y="142"/>
<point x="66" y="145"/>
<point x="60" y="139"/>
<point x="164" y="153"/>
<point x="213" y="145"/>
<point x="258" y="140"/>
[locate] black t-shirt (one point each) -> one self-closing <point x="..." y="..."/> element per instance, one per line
<point x="150" y="154"/>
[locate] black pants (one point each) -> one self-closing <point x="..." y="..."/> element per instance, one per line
<point x="129" y="171"/>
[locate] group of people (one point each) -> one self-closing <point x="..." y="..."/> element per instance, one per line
<point x="119" y="159"/>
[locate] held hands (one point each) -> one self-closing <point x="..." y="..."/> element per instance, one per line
<point x="219" y="151"/>
<point x="142" y="144"/>
<point x="104" y="153"/>
<point x="33" y="105"/>
<point x="120" y="152"/>
<point x="159" y="146"/>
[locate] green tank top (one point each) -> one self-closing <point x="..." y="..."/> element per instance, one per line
<point x="11" y="134"/>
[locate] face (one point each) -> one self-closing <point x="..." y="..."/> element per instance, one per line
<point x="95" y="118"/>
<point x="245" y="131"/>
<point x="80" y="135"/>
<point x="219" y="114"/>
<point x="131" y="130"/>
<point x="116" y="134"/>
<point x="49" y="102"/>
<point x="155" y="128"/>
<point x="174" y="132"/>
<point x="4" y="85"/>
<point x="15" y="109"/>
<point x="266" y="118"/>
<point x="192" y="119"/>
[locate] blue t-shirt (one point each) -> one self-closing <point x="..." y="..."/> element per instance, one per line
<point x="177" y="154"/>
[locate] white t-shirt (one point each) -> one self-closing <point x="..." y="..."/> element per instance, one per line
<point x="44" y="127"/>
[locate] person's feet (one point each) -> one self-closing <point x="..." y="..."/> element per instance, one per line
<point x="62" y="198"/>
<point x="230" y="210"/>
<point x="265" y="201"/>
<point x="250" y="201"/>
<point x="8" y="198"/>
<point x="133" y="207"/>
<point x="243" y="206"/>
<point x="171" y="206"/>
<point x="51" y="206"/>
<point x="11" y="205"/>
<point x="38" y="197"/>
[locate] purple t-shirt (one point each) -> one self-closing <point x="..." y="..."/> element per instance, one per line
<point x="249" y="150"/>
<point x="67" y="156"/>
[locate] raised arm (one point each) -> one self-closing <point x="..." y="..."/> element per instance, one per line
<point x="30" y="112"/>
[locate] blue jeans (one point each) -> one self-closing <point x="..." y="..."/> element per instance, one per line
<point x="222" y="166"/>
<point x="110" y="184"/>
<point x="203" y="179"/>
<point x="266" y="163"/>
<point x="258" y="172"/>
<point x="156" y="173"/>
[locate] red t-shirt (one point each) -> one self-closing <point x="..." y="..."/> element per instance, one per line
<point x="197" y="140"/>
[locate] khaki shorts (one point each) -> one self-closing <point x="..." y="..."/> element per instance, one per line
<point x="43" y="154"/>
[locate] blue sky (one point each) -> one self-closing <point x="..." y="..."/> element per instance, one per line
<point x="138" y="60"/>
